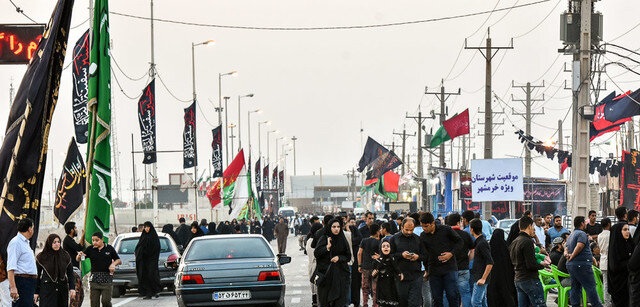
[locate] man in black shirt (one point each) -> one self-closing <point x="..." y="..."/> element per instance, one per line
<point x="364" y="228"/>
<point x="69" y="243"/>
<point x="408" y="252"/>
<point x="515" y="229"/>
<point x="482" y="265"/>
<point x="593" y="228"/>
<point x="526" y="267"/>
<point x="104" y="260"/>
<point x="440" y="243"/>
<point x="183" y="232"/>
<point x="368" y="247"/>
<point x="462" y="258"/>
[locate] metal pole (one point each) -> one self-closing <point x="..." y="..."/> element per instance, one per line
<point x="226" y="130"/>
<point x="239" y="134"/>
<point x="294" y="139"/>
<point x="193" y="70"/>
<point x="220" y="99"/>
<point x="561" y="147"/>
<point x="135" y="200"/>
<point x="527" y="153"/>
<point x="249" y="134"/>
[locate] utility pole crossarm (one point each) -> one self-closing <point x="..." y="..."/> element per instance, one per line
<point x="442" y="96"/>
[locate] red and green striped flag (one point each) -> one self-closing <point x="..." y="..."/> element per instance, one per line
<point x="452" y="127"/>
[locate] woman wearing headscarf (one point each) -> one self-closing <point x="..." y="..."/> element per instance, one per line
<point x="256" y="228"/>
<point x="501" y="291"/>
<point x="332" y="255"/>
<point x="147" y="257"/>
<point x="634" y="277"/>
<point x="196" y="231"/>
<point x="168" y="229"/>
<point x="212" y="229"/>
<point x="620" y="249"/>
<point x="56" y="282"/>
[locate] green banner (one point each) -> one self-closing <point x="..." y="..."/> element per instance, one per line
<point x="98" y="211"/>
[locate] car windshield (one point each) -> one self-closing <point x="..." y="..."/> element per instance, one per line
<point x="128" y="246"/>
<point x="507" y="223"/>
<point x="287" y="212"/>
<point x="228" y="248"/>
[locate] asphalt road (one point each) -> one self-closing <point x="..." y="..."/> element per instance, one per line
<point x="298" y="292"/>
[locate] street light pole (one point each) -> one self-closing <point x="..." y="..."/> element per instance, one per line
<point x="268" y="153"/>
<point x="226" y="129"/>
<point x="294" y="139"/>
<point x="239" y="134"/>
<point x="259" y="136"/>
<point x="278" y="157"/>
<point x="249" y="128"/>
<point x="219" y="109"/>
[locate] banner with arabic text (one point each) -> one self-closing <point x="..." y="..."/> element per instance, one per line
<point x="189" y="148"/>
<point x="71" y="186"/>
<point x="216" y="152"/>
<point x="80" y="73"/>
<point x="147" y="120"/>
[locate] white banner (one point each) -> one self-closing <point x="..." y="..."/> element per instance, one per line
<point x="497" y="180"/>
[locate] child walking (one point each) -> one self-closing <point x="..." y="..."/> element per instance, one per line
<point x="388" y="275"/>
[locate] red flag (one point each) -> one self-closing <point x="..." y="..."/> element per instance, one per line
<point x="563" y="166"/>
<point x="457" y="125"/>
<point x="391" y="182"/>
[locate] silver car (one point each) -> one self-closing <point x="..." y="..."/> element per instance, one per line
<point x="125" y="277"/>
<point x="230" y="270"/>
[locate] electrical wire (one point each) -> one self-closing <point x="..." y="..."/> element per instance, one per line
<point x="20" y="11"/>
<point x="625" y="33"/>
<point x="541" y="21"/>
<point x="505" y="14"/>
<point x="78" y="25"/>
<point x="487" y="19"/>
<point x="123" y="73"/>
<point x="351" y="27"/>
<point x="168" y="90"/>
<point x="113" y="74"/>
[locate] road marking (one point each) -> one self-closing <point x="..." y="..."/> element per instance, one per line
<point x="296" y="292"/>
<point x="296" y="285"/>
<point x="294" y="300"/>
<point x="124" y="302"/>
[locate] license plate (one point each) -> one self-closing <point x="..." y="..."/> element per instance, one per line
<point x="232" y="295"/>
<point x="132" y="264"/>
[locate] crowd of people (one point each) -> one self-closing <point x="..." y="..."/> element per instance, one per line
<point x="420" y="260"/>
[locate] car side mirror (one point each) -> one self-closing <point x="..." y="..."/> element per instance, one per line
<point x="180" y="248"/>
<point x="283" y="259"/>
<point x="172" y="265"/>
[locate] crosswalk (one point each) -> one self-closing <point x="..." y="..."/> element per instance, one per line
<point x="296" y="274"/>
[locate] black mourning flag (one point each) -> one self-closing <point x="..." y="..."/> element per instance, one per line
<point x="80" y="73"/>
<point x="274" y="178"/>
<point x="257" y="177"/>
<point x="216" y="152"/>
<point x="281" y="183"/>
<point x="71" y="186"/>
<point x="23" y="154"/>
<point x="384" y="163"/>
<point x="372" y="150"/>
<point x="189" y="152"/>
<point x="147" y="120"/>
<point x="265" y="177"/>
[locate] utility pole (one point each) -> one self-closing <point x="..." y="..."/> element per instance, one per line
<point x="404" y="136"/>
<point x="419" y="119"/>
<point x="560" y="147"/>
<point x="465" y="148"/>
<point x="488" y="114"/>
<point x="528" y="89"/>
<point x="630" y="134"/>
<point x="294" y="139"/>
<point x="442" y="97"/>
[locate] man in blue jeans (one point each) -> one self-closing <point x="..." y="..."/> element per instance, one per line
<point x="482" y="265"/>
<point x="440" y="243"/>
<point x="462" y="258"/>
<point x="526" y="267"/>
<point x="579" y="260"/>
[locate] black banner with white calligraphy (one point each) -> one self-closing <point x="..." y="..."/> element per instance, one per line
<point x="216" y="151"/>
<point x="274" y="178"/>
<point x="189" y="152"/>
<point x="71" y="186"/>
<point x="80" y="75"/>
<point x="281" y="183"/>
<point x="265" y="177"/>
<point x="258" y="178"/>
<point x="147" y="120"/>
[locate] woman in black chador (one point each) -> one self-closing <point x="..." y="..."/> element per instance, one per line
<point x="56" y="282"/>
<point x="332" y="254"/>
<point x="620" y="249"/>
<point x="147" y="258"/>
<point x="501" y="291"/>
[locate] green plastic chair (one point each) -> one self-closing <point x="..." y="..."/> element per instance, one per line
<point x="563" y="292"/>
<point x="597" y="275"/>
<point x="546" y="278"/>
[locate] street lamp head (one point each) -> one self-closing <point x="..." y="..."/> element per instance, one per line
<point x="249" y="95"/>
<point x="233" y="73"/>
<point x="226" y="97"/>
<point x="209" y="42"/>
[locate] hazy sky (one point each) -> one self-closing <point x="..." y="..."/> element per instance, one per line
<point x="321" y="85"/>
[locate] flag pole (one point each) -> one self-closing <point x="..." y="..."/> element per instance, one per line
<point x="12" y="164"/>
<point x="92" y="109"/>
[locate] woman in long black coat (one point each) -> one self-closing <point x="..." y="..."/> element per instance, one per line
<point x="501" y="291"/>
<point x="620" y="249"/>
<point x="147" y="257"/>
<point x="56" y="281"/>
<point x="332" y="254"/>
<point x="634" y="277"/>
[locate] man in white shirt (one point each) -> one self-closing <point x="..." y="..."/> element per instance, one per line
<point x="603" y="243"/>
<point x="21" y="265"/>
<point x="537" y="219"/>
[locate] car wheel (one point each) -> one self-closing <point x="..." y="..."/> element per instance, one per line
<point x="118" y="291"/>
<point x="279" y="303"/>
<point x="171" y="288"/>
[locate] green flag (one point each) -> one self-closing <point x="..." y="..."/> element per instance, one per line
<point x="98" y="211"/>
<point x="439" y="137"/>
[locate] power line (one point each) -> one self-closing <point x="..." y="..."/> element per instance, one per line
<point x="541" y="21"/>
<point x="124" y="74"/>
<point x="19" y="10"/>
<point x="625" y="33"/>
<point x="168" y="90"/>
<point x="351" y="27"/>
<point x="505" y="14"/>
<point x="121" y="89"/>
